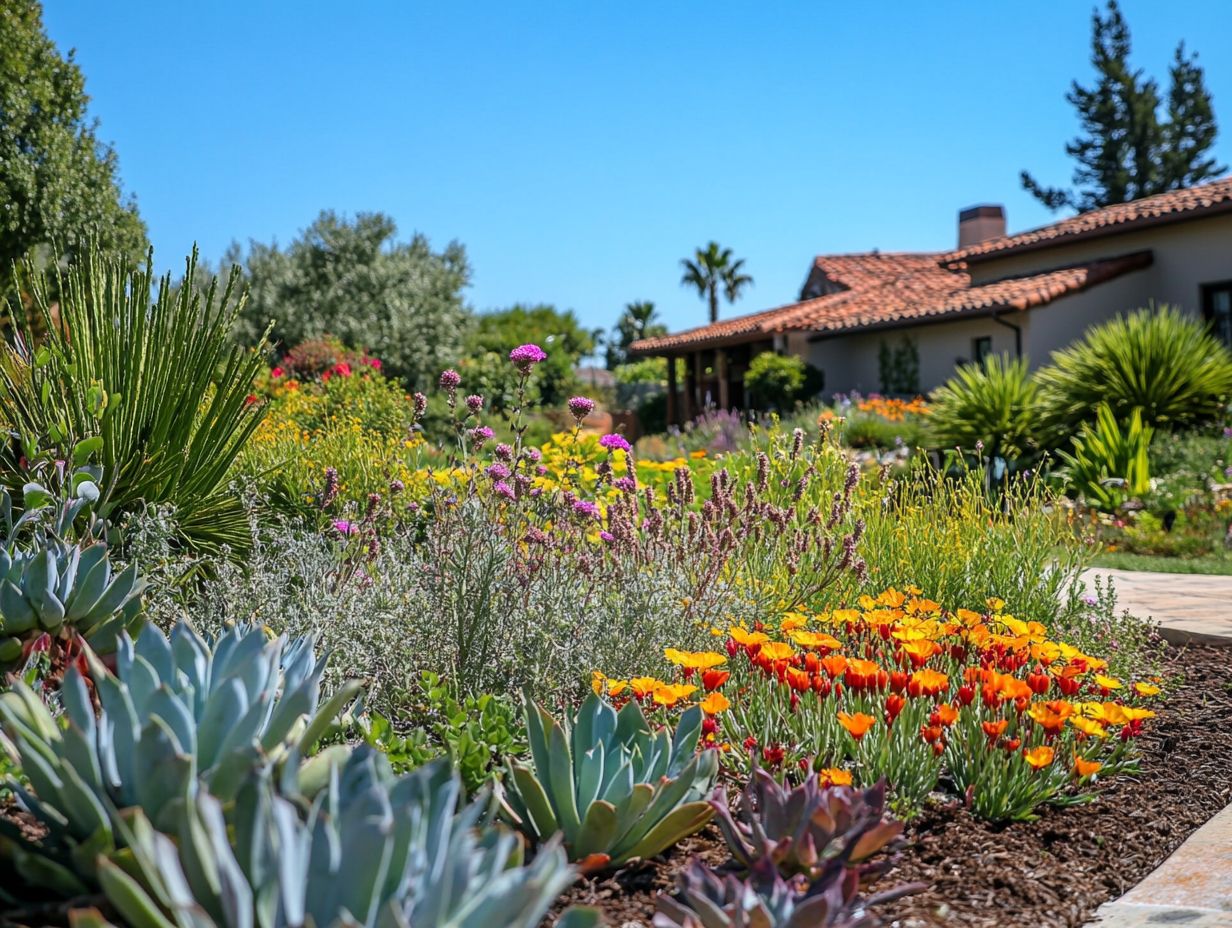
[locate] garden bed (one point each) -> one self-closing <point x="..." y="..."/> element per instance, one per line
<point x="1055" y="871"/>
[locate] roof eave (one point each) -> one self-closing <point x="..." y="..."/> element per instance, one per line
<point x="1124" y="228"/>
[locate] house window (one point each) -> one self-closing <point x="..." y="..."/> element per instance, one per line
<point x="1217" y="309"/>
<point x="981" y="348"/>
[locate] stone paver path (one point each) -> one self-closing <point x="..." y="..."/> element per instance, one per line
<point x="1188" y="607"/>
<point x="1192" y="888"/>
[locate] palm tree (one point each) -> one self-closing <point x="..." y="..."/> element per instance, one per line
<point x="713" y="269"/>
<point x="636" y="322"/>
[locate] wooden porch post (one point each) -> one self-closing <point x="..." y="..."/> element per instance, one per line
<point x="690" y="387"/>
<point x="720" y="369"/>
<point x="671" y="390"/>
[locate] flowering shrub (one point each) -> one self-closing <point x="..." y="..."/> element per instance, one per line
<point x="900" y="688"/>
<point x="892" y="408"/>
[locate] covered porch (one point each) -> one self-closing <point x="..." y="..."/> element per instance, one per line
<point x="707" y="377"/>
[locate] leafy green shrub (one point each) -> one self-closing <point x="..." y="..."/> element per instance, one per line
<point x="160" y="382"/>
<point x="617" y="789"/>
<point x="993" y="405"/>
<point x="775" y="381"/>
<point x="1109" y="465"/>
<point x="477" y="733"/>
<point x="1159" y="361"/>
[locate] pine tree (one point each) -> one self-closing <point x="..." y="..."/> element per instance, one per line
<point x="1125" y="151"/>
<point x="58" y="182"/>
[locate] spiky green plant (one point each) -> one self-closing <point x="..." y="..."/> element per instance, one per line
<point x="993" y="405"/>
<point x="177" y="711"/>
<point x="1157" y="360"/>
<point x="371" y="850"/>
<point x="615" y="787"/>
<point x="1109" y="465"/>
<point x="157" y="378"/>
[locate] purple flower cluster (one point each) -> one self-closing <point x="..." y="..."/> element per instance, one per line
<point x="525" y="357"/>
<point x="581" y="407"/>
<point x="498" y="471"/>
<point x="474" y="403"/>
<point x="614" y="442"/>
<point x="584" y="507"/>
<point x="450" y="380"/>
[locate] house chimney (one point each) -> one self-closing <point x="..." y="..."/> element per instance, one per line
<point x="980" y="223"/>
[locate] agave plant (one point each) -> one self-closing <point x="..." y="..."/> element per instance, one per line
<point x="53" y="584"/>
<point x="993" y="405"/>
<point x="614" y="787"/>
<point x="177" y="711"/>
<point x="803" y="828"/>
<point x="371" y="850"/>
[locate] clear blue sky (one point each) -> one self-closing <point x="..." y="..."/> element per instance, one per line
<point x="580" y="149"/>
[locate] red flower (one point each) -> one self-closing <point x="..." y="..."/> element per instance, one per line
<point x="250" y="399"/>
<point x="893" y="706"/>
<point x="713" y="679"/>
<point x="276" y="372"/>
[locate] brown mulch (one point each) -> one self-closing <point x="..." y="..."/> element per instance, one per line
<point x="1052" y="872"/>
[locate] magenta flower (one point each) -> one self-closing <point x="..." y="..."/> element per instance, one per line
<point x="524" y="357"/>
<point x="450" y="379"/>
<point x="474" y="403"/>
<point x="421" y="404"/>
<point x="607" y="536"/>
<point x="614" y="442"/>
<point x="500" y="488"/>
<point x="585" y="507"/>
<point x="343" y="527"/>
<point x="581" y="407"/>
<point x="503" y="452"/>
<point x="497" y="471"/>
<point x="480" y="434"/>
<point x="627" y="484"/>
<point x="534" y="455"/>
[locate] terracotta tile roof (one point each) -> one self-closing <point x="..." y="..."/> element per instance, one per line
<point x="872" y="268"/>
<point x="900" y="298"/>
<point x="1175" y="205"/>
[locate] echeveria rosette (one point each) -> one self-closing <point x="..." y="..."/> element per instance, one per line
<point x="608" y="820"/>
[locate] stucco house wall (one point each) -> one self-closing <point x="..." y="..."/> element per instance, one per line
<point x="1186" y="256"/>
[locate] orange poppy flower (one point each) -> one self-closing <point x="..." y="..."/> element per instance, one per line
<point x="715" y="703"/>
<point x="833" y="776"/>
<point x="1039" y="757"/>
<point x="777" y="651"/>
<point x="856" y="723"/>
<point x="807" y="639"/>
<point x="927" y="682"/>
<point x="713" y="679"/>
<point x="994" y="730"/>
<point x="1086" y="768"/>
<point x="742" y="636"/>
<point x="1146" y="689"/>
<point x="835" y="664"/>
<point x="694" y="660"/>
<point x="947" y="713"/>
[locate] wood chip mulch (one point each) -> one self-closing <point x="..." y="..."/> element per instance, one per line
<point x="1053" y="872"/>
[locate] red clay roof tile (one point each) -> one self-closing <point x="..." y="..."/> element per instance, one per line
<point x="1174" y="205"/>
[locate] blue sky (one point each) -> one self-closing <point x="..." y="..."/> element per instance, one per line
<point x="580" y="149"/>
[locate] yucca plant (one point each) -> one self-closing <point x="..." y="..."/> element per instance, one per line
<point x="992" y="407"/>
<point x="1156" y="360"/>
<point x="802" y="828"/>
<point x="616" y="788"/>
<point x="371" y="850"/>
<point x="156" y="377"/>
<point x="1109" y="465"/>
<point x="177" y="711"/>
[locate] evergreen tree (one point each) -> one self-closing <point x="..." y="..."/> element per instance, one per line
<point x="1125" y="151"/>
<point x="58" y="183"/>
